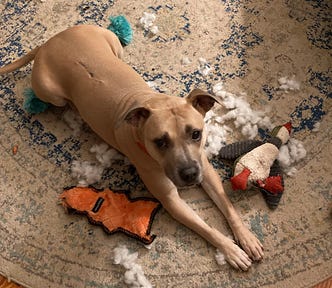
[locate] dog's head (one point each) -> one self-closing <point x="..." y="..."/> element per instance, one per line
<point x="172" y="133"/>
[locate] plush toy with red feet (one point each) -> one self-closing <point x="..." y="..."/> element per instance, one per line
<point x="255" y="163"/>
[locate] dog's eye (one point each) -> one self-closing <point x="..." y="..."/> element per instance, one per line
<point x="162" y="142"/>
<point x="196" y="135"/>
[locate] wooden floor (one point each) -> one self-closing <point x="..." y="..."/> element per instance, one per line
<point x="5" y="284"/>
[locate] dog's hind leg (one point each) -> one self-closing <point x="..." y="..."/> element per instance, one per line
<point x="46" y="87"/>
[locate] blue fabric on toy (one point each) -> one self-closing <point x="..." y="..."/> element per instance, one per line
<point x="32" y="104"/>
<point x="121" y="28"/>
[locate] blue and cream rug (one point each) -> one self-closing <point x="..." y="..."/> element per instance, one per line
<point x="277" y="53"/>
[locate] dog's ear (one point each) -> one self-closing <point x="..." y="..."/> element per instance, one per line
<point x="137" y="115"/>
<point x="201" y="100"/>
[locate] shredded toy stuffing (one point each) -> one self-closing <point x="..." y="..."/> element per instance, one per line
<point x="204" y="67"/>
<point x="288" y="83"/>
<point x="220" y="258"/>
<point x="290" y="154"/>
<point x="240" y="114"/>
<point x="185" y="61"/>
<point x="73" y="120"/>
<point x="147" y="21"/>
<point x="155" y="84"/>
<point x="134" y="276"/>
<point x="88" y="173"/>
<point x="154" y="29"/>
<point x="105" y="155"/>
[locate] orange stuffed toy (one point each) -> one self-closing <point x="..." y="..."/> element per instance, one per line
<point x="114" y="210"/>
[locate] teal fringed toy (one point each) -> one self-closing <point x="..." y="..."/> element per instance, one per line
<point x="121" y="28"/>
<point x="32" y="104"/>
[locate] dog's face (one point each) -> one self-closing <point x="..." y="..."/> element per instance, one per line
<point x="174" y="135"/>
<point x="175" y="139"/>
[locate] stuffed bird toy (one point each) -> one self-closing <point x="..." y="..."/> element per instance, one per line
<point x="255" y="163"/>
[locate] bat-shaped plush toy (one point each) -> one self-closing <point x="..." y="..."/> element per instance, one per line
<point x="255" y="163"/>
<point x="114" y="211"/>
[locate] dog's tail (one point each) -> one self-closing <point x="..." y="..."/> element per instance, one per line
<point x="19" y="62"/>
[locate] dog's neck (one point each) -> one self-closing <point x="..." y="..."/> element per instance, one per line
<point x="142" y="147"/>
<point x="138" y="142"/>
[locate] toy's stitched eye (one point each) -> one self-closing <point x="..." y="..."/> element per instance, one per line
<point x="196" y="135"/>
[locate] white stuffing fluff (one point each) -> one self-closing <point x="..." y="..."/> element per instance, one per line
<point x="216" y="134"/>
<point x="147" y="22"/>
<point x="154" y="29"/>
<point x="185" y="61"/>
<point x="134" y="276"/>
<point x="204" y="67"/>
<point x="220" y="258"/>
<point x="154" y="84"/>
<point x="105" y="155"/>
<point x="88" y="173"/>
<point x="73" y="120"/>
<point x="240" y="112"/>
<point x="247" y="121"/>
<point x="288" y="83"/>
<point x="290" y="154"/>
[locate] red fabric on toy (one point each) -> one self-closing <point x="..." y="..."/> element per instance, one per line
<point x="272" y="184"/>
<point x="240" y="181"/>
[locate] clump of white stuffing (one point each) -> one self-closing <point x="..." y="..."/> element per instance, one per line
<point x="88" y="173"/>
<point x="220" y="258"/>
<point x="185" y="61"/>
<point x="73" y="120"/>
<point x="288" y="83"/>
<point x="246" y="120"/>
<point x="204" y="67"/>
<point x="155" y="84"/>
<point x="147" y="21"/>
<point x="105" y="155"/>
<point x="240" y="113"/>
<point x="134" y="276"/>
<point x="217" y="133"/>
<point x="290" y="154"/>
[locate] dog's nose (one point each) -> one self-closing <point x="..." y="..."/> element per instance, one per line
<point x="189" y="174"/>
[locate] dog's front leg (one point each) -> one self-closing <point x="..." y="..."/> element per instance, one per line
<point x="213" y="186"/>
<point x="165" y="191"/>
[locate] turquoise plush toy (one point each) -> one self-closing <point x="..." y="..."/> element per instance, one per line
<point x="119" y="26"/>
<point x="32" y="104"/>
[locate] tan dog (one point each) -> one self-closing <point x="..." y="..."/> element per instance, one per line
<point x="163" y="136"/>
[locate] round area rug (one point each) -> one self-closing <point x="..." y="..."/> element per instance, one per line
<point x="272" y="55"/>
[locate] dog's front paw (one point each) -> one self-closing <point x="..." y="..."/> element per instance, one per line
<point x="249" y="242"/>
<point x="235" y="256"/>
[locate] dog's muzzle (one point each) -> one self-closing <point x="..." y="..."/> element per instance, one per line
<point x="189" y="174"/>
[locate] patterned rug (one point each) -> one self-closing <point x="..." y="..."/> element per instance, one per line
<point x="254" y="48"/>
